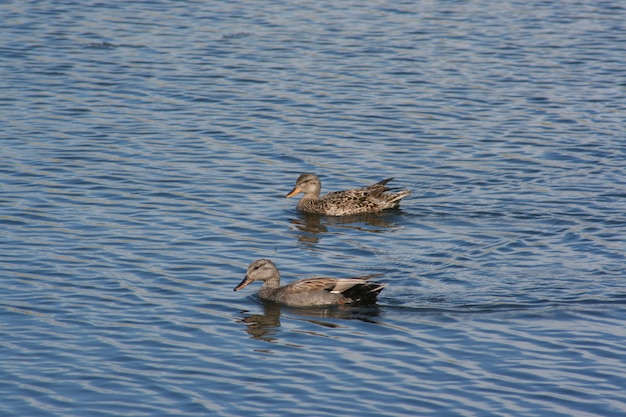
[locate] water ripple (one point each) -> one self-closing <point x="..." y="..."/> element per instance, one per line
<point x="146" y="151"/>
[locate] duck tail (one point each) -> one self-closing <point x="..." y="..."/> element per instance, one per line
<point x="365" y="293"/>
<point x="399" y="196"/>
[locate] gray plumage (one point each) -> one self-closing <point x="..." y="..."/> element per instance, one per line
<point x="310" y="292"/>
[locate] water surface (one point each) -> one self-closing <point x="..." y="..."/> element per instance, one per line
<point x="147" y="147"/>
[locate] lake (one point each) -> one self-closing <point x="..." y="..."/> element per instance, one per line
<point x="146" y="150"/>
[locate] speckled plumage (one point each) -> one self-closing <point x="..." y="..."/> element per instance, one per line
<point x="310" y="292"/>
<point x="372" y="199"/>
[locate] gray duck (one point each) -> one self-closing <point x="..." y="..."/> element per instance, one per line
<point x="310" y="292"/>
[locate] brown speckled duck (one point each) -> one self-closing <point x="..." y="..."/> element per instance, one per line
<point x="372" y="199"/>
<point x="310" y="292"/>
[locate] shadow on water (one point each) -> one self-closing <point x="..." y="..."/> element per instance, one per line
<point x="310" y="226"/>
<point x="264" y="326"/>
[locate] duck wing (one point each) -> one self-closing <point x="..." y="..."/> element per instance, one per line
<point x="332" y="285"/>
<point x="358" y="195"/>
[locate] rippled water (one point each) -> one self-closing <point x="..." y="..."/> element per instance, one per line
<point x="147" y="147"/>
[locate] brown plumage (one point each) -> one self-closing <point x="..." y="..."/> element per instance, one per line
<point x="372" y="199"/>
<point x="310" y="292"/>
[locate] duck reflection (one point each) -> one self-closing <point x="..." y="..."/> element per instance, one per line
<point x="310" y="226"/>
<point x="264" y="326"/>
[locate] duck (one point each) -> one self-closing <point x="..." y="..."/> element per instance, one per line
<point x="310" y="292"/>
<point x="372" y="199"/>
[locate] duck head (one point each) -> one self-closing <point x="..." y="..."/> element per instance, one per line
<point x="259" y="270"/>
<point x="309" y="184"/>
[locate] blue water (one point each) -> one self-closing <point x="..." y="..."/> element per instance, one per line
<point x="145" y="151"/>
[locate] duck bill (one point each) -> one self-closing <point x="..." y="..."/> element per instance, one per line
<point x="243" y="283"/>
<point x="293" y="192"/>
